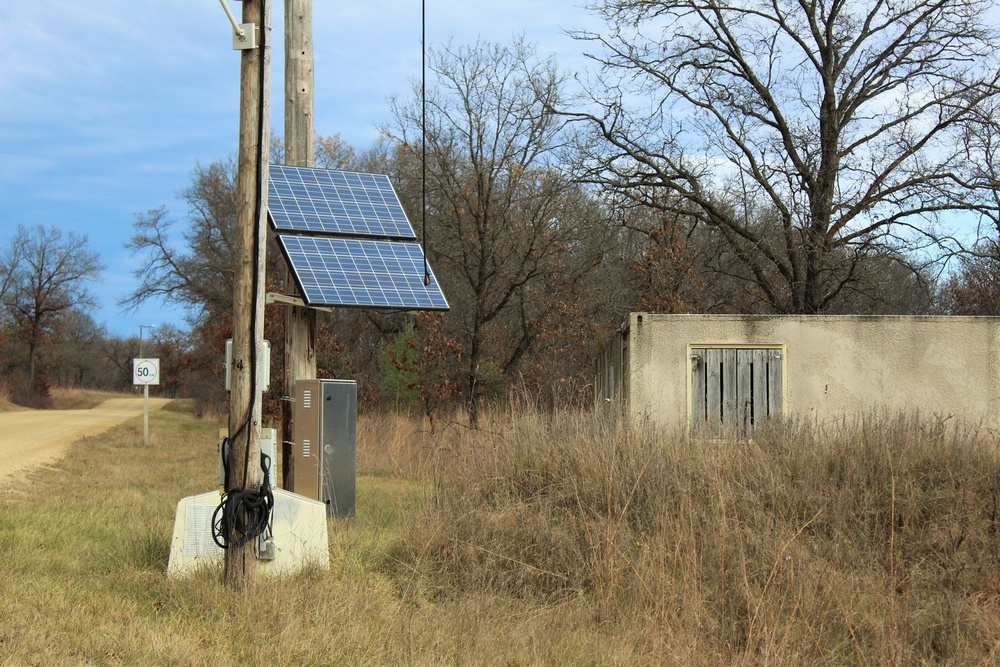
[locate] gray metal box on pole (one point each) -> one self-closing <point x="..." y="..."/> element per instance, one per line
<point x="325" y="448"/>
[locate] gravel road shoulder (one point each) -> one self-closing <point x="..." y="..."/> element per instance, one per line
<point x="29" y="438"/>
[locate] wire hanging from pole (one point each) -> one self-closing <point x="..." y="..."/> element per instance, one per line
<point x="244" y="514"/>
<point x="423" y="135"/>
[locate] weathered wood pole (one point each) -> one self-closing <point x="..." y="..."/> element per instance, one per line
<point x="300" y="323"/>
<point x="240" y="570"/>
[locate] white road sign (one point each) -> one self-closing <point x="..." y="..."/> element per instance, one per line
<point x="145" y="371"/>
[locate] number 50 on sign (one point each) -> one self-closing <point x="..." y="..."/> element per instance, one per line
<point x="145" y="371"/>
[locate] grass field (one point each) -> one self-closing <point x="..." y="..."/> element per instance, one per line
<point x="537" y="540"/>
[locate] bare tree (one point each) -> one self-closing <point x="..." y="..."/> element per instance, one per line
<point x="196" y="269"/>
<point x="502" y="212"/>
<point x="10" y="261"/>
<point x="200" y="276"/>
<point x="51" y="278"/>
<point x="119" y="354"/>
<point x="331" y="152"/>
<point x="76" y="356"/>
<point x="973" y="287"/>
<point x="811" y="136"/>
<point x="173" y="346"/>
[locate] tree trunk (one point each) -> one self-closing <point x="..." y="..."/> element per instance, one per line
<point x="473" y="389"/>
<point x="32" y="346"/>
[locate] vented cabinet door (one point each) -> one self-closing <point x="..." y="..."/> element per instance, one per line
<point x="307" y="448"/>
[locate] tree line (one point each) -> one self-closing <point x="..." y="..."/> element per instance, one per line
<point x="47" y="336"/>
<point x="762" y="157"/>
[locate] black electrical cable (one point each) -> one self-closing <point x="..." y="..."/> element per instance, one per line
<point x="245" y="514"/>
<point x="423" y="135"/>
<point x="258" y="203"/>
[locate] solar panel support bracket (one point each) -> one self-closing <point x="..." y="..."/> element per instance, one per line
<point x="285" y="300"/>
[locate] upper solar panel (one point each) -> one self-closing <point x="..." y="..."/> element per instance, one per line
<point x="300" y="199"/>
<point x="361" y="272"/>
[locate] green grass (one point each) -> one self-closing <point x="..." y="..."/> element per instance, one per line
<point x="543" y="540"/>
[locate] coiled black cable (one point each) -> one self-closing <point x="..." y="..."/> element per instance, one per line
<point x="244" y="514"/>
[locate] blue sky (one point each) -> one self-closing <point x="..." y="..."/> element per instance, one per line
<point x="105" y="107"/>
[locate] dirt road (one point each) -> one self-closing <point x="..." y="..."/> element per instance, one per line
<point x="33" y="437"/>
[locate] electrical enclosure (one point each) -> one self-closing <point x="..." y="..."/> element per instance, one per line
<point x="263" y="365"/>
<point x="325" y="443"/>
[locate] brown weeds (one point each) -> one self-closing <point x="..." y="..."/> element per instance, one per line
<point x="539" y="539"/>
<point x="874" y="542"/>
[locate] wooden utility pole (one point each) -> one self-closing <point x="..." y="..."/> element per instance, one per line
<point x="249" y="288"/>
<point x="300" y="322"/>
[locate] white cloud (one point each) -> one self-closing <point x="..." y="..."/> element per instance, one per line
<point x="108" y="104"/>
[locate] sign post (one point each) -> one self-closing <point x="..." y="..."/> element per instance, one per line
<point x="145" y="372"/>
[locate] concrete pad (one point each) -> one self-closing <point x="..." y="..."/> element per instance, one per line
<point x="299" y="531"/>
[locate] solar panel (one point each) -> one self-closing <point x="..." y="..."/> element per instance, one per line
<point x="361" y="272"/>
<point x="300" y="199"/>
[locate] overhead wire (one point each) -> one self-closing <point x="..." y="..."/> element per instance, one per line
<point x="423" y="136"/>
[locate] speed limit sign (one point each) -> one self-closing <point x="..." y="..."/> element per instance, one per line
<point x="145" y="371"/>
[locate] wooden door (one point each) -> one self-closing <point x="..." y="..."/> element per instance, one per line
<point x="734" y="390"/>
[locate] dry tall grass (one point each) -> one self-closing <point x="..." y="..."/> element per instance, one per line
<point x="540" y="539"/>
<point x="74" y="398"/>
<point x="396" y="444"/>
<point x="876" y="543"/>
<point x="6" y="393"/>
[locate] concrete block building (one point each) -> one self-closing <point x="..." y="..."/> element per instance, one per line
<point x="723" y="374"/>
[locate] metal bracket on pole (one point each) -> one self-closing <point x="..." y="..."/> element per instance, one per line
<point x="285" y="300"/>
<point x="244" y="34"/>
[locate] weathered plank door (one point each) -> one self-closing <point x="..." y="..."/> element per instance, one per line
<point x="734" y="390"/>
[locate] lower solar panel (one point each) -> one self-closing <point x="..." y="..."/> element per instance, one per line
<point x="361" y="272"/>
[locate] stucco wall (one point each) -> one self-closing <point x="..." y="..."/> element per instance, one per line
<point x="835" y="366"/>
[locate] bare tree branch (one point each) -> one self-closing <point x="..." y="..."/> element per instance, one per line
<point x="843" y="123"/>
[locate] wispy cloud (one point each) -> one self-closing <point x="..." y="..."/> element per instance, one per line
<point x="107" y="105"/>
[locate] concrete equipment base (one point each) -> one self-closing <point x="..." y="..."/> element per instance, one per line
<point x="299" y="532"/>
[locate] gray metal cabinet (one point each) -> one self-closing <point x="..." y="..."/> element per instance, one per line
<point x="324" y="453"/>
